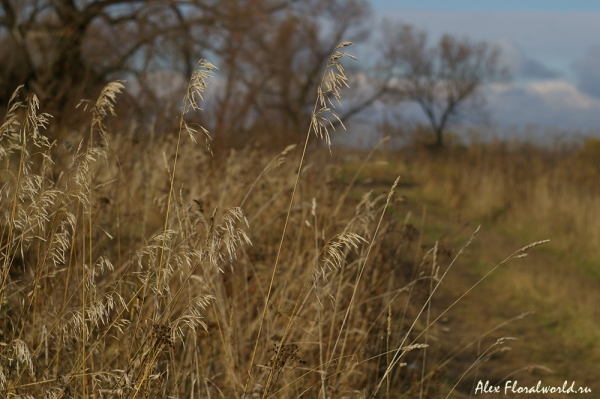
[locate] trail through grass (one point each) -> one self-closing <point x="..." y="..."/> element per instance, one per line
<point x="556" y="291"/>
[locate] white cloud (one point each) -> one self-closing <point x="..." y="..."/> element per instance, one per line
<point x="549" y="103"/>
<point x="559" y="93"/>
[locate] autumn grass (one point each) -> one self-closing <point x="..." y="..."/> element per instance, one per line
<point x="554" y="187"/>
<point x="142" y="269"/>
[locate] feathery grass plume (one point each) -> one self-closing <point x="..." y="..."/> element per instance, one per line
<point x="98" y="312"/>
<point x="414" y="346"/>
<point x="334" y="253"/>
<point x="95" y="271"/>
<point x="14" y="356"/>
<point x="61" y="240"/>
<point x="34" y="122"/>
<point x="328" y="93"/>
<point x="157" y="278"/>
<point x="78" y="183"/>
<point x="10" y="125"/>
<point x="193" y="96"/>
<point x="20" y="134"/>
<point x="279" y="159"/>
<point x="225" y="237"/>
<point x="39" y="202"/>
<point x="332" y="257"/>
<point x="106" y="105"/>
<point x="29" y="132"/>
<point x="191" y="317"/>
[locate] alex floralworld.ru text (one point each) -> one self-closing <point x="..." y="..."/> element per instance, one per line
<point x="513" y="387"/>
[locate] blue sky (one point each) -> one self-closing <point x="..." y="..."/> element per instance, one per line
<point x="490" y="5"/>
<point x="552" y="48"/>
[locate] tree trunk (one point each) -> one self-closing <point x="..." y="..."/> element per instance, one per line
<point x="69" y="72"/>
<point x="439" y="136"/>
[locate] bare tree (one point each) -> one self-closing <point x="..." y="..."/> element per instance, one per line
<point x="271" y="71"/>
<point x="442" y="79"/>
<point x="58" y="46"/>
<point x="270" y="53"/>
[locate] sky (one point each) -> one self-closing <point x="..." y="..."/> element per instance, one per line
<point x="551" y="47"/>
<point x="490" y="5"/>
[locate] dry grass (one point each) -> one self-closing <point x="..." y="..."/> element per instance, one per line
<point x="520" y="192"/>
<point x="152" y="269"/>
<point x="554" y="189"/>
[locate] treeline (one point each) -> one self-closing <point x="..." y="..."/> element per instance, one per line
<point x="270" y="55"/>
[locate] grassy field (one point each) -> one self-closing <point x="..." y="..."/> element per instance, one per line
<point x="152" y="268"/>
<point x="518" y="193"/>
